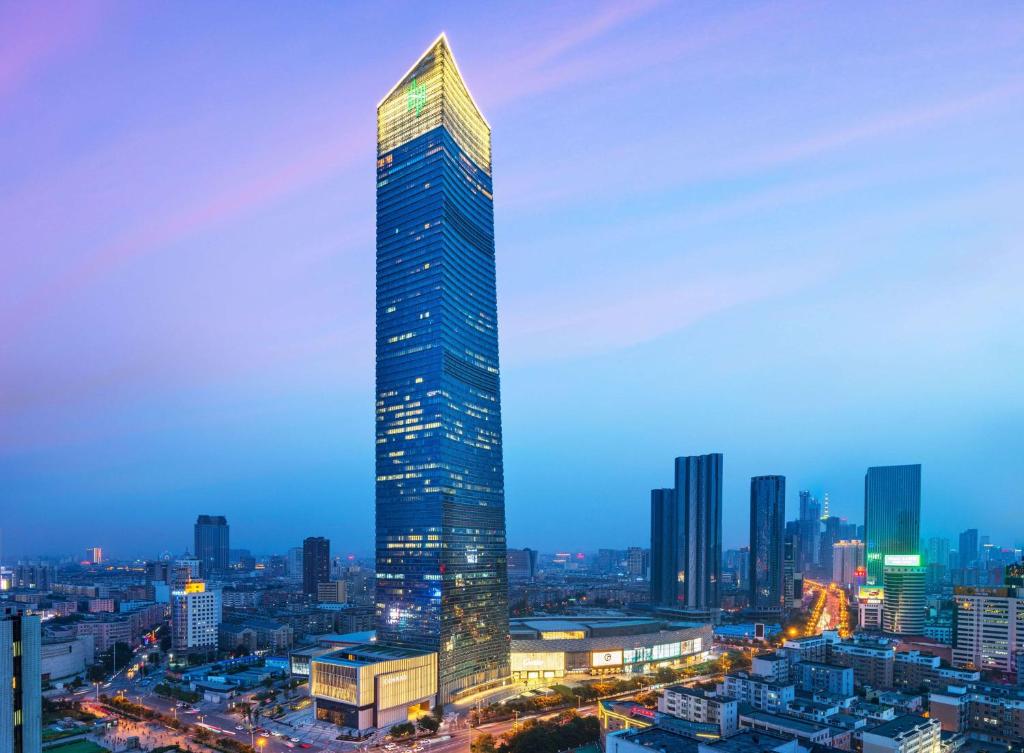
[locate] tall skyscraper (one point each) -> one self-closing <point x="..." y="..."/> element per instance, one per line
<point x="699" y="497"/>
<point x="667" y="543"/>
<point x="810" y="529"/>
<point x="211" y="540"/>
<point x="442" y="579"/>
<point x="316" y="564"/>
<point x="767" y="524"/>
<point x="892" y="514"/>
<point x="968" y="547"/>
<point x="21" y="693"/>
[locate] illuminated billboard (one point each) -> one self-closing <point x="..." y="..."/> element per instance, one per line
<point x="871" y="594"/>
<point x="551" y="661"/>
<point x="605" y="658"/>
<point x="902" y="560"/>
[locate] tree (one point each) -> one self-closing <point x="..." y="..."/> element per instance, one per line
<point x="428" y="723"/>
<point x="665" y="675"/>
<point x="483" y="744"/>
<point x="403" y="729"/>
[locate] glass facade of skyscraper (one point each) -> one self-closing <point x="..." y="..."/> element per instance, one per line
<point x="699" y="496"/>
<point x="767" y="523"/>
<point x="668" y="539"/>
<point x="211" y="544"/>
<point x="441" y="551"/>
<point x="892" y="515"/>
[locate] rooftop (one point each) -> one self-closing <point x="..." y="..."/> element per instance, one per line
<point x="370" y="653"/>
<point x="662" y="740"/>
<point x="790" y="722"/>
<point x="900" y="726"/>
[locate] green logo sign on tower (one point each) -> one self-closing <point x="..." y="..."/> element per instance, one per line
<point x="415" y="97"/>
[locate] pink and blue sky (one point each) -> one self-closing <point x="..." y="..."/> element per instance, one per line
<point x="788" y="232"/>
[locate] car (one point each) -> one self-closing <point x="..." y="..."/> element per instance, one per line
<point x="294" y="739"/>
<point x="390" y="746"/>
<point x="289" y="743"/>
<point x="264" y="733"/>
<point x="307" y="746"/>
<point x="179" y="705"/>
<point x="275" y="733"/>
<point x="239" y="727"/>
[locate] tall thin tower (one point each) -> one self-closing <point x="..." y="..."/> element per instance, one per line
<point x="441" y="550"/>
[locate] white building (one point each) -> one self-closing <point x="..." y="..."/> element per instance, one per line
<point x="869" y="607"/>
<point x="695" y="705"/>
<point x="762" y="694"/>
<point x="904" y="734"/>
<point x="989" y="628"/>
<point x="196" y="614"/>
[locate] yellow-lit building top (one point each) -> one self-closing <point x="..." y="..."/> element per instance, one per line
<point x="432" y="94"/>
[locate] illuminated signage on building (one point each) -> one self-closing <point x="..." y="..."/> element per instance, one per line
<point x="605" y="658"/>
<point x="553" y="661"/>
<point x="902" y="560"/>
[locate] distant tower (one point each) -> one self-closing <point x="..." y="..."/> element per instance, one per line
<point x="211" y="544"/>
<point x="316" y="564"/>
<point x="824" y="508"/>
<point x="767" y="524"/>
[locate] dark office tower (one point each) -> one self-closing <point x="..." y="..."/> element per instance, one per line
<point x="316" y="563"/>
<point x="442" y="581"/>
<point x="667" y="543"/>
<point x="968" y="547"/>
<point x="892" y="515"/>
<point x="810" y="529"/>
<point x="699" y="498"/>
<point x="21" y="720"/>
<point x="767" y="525"/>
<point x="211" y="539"/>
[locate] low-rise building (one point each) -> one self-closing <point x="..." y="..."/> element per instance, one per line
<point x="658" y="739"/>
<point x="872" y="661"/>
<point x="696" y="705"/>
<point x="65" y="659"/>
<point x="372" y="686"/>
<point x="817" y="677"/>
<point x="904" y="734"/>
<point x="810" y="647"/>
<point x="762" y="694"/>
<point x="995" y="712"/>
<point x="773" y="666"/>
<point x="786" y="725"/>
<point x="915" y="670"/>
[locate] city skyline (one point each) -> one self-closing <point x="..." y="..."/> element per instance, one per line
<point x="190" y="332"/>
